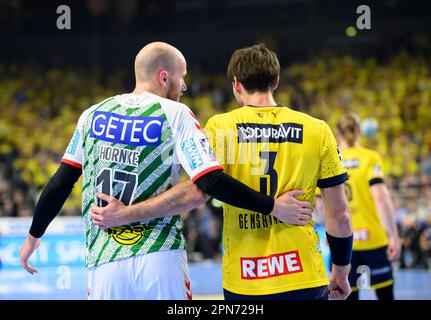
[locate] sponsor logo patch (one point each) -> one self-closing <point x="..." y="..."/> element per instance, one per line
<point x="377" y="170"/>
<point x="207" y="149"/>
<point x="277" y="133"/>
<point x="351" y="163"/>
<point x="271" y="266"/>
<point x="126" y="235"/>
<point x="361" y="235"/>
<point x="71" y="149"/>
<point x="134" y="131"/>
<point x="380" y="271"/>
<point x="192" y="154"/>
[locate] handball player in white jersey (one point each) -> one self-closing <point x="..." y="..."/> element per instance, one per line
<point x="130" y="147"/>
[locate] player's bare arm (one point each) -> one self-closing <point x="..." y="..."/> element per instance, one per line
<point x="30" y="245"/>
<point x="385" y="207"/>
<point x="340" y="239"/>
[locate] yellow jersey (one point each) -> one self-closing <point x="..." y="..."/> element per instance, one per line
<point x="273" y="150"/>
<point x="364" y="167"/>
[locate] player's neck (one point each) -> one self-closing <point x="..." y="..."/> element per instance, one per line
<point x="259" y="99"/>
<point x="143" y="87"/>
<point x="344" y="145"/>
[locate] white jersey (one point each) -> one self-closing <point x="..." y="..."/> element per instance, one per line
<point x="131" y="147"/>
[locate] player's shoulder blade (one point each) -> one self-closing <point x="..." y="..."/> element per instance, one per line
<point x="94" y="107"/>
<point x="313" y="127"/>
<point x="303" y="117"/>
<point x="221" y="118"/>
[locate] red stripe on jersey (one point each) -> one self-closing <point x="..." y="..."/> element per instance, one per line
<point x="191" y="113"/>
<point x="205" y="172"/>
<point x="196" y="122"/>
<point x="188" y="291"/>
<point x="187" y="284"/>
<point x="72" y="163"/>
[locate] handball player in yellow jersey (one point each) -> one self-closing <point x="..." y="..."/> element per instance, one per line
<point x="376" y="241"/>
<point x="273" y="148"/>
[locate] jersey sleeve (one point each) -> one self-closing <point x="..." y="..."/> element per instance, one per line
<point x="375" y="172"/>
<point x="192" y="147"/>
<point x="73" y="154"/>
<point x="216" y="138"/>
<point x="331" y="171"/>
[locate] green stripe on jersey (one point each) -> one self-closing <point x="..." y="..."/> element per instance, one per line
<point x="102" y="250"/>
<point x="153" y="175"/>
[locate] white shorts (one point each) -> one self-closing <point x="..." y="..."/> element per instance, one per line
<point x="162" y="275"/>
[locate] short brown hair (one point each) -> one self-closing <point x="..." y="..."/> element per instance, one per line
<point x="256" y="67"/>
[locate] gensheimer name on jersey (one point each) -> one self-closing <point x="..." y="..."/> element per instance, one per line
<point x="364" y="167"/>
<point x="130" y="147"/>
<point x="273" y="150"/>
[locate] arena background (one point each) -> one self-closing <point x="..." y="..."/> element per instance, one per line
<point x="48" y="76"/>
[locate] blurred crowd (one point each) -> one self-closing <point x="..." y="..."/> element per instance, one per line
<point x="41" y="104"/>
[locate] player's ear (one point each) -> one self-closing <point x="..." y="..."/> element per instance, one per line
<point x="276" y="84"/>
<point x="163" y="78"/>
<point x="236" y="85"/>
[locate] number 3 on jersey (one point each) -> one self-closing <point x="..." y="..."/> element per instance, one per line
<point x="269" y="170"/>
<point x="107" y="176"/>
